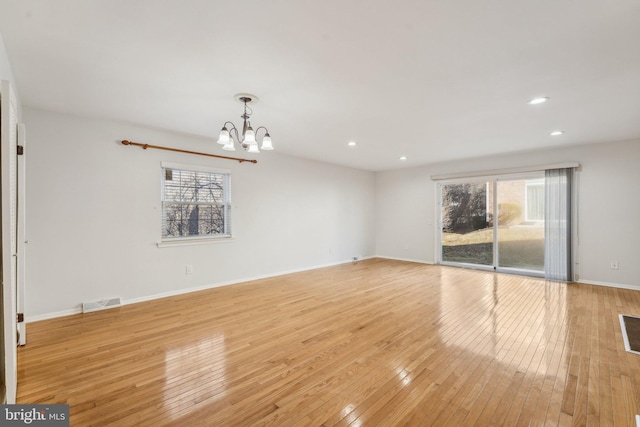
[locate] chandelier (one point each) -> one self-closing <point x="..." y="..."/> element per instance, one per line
<point x="247" y="140"/>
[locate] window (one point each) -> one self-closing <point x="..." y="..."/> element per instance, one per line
<point x="196" y="202"/>
<point x="528" y="227"/>
<point x="534" y="200"/>
<point x="494" y="222"/>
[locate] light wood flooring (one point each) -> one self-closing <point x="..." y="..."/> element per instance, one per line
<point x="377" y="343"/>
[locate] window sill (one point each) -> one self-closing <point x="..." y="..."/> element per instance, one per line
<point x="193" y="242"/>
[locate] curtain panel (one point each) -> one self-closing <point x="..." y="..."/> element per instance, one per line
<point x="557" y="251"/>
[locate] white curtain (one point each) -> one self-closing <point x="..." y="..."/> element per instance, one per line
<point x="557" y="225"/>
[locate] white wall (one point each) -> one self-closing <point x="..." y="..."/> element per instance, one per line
<point x="6" y="73"/>
<point x="94" y="216"/>
<point x="608" y="207"/>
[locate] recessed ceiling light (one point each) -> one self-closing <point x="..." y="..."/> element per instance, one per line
<point x="403" y="157"/>
<point x="351" y="143"/>
<point x="540" y="100"/>
<point x="556" y="133"/>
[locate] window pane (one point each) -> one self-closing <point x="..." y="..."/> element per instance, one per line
<point x="211" y="219"/>
<point x="174" y="220"/>
<point x="535" y="202"/>
<point x="520" y="224"/>
<point x="172" y="192"/>
<point x="195" y="204"/>
<point x="467" y="234"/>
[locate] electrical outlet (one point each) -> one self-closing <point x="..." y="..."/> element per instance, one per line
<point x="614" y="265"/>
<point x="189" y="269"/>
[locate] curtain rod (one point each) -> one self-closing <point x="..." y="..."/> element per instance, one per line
<point x="178" y="150"/>
<point x="505" y="171"/>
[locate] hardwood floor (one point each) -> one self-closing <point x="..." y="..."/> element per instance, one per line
<point x="375" y="343"/>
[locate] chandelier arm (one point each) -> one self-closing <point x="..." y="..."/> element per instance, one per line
<point x="266" y="131"/>
<point x="234" y="130"/>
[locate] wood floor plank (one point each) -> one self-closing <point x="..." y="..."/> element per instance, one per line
<point x="378" y="342"/>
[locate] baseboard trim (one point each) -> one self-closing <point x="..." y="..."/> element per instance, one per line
<point x="47" y="316"/>
<point x="586" y="282"/>
<point x="55" y="314"/>
<point x="609" y="285"/>
<point x="419" y="261"/>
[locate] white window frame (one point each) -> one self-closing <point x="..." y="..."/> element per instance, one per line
<point x="199" y="239"/>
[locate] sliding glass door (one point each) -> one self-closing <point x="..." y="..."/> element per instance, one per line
<point x="473" y="234"/>
<point x="467" y="231"/>
<point x="520" y="226"/>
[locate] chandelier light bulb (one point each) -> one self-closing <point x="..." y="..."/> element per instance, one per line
<point x="250" y="136"/>
<point x="229" y="145"/>
<point x="266" y="143"/>
<point x="224" y="136"/>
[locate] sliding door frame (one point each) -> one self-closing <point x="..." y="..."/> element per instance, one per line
<point x="492" y="181"/>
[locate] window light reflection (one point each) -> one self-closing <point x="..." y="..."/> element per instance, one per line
<point x="199" y="366"/>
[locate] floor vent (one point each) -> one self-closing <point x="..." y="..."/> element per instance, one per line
<point x="630" y="326"/>
<point x="100" y="305"/>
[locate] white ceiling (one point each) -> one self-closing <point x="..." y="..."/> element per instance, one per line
<point x="431" y="80"/>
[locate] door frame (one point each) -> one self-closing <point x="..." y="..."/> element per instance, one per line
<point x="21" y="218"/>
<point x="8" y="196"/>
